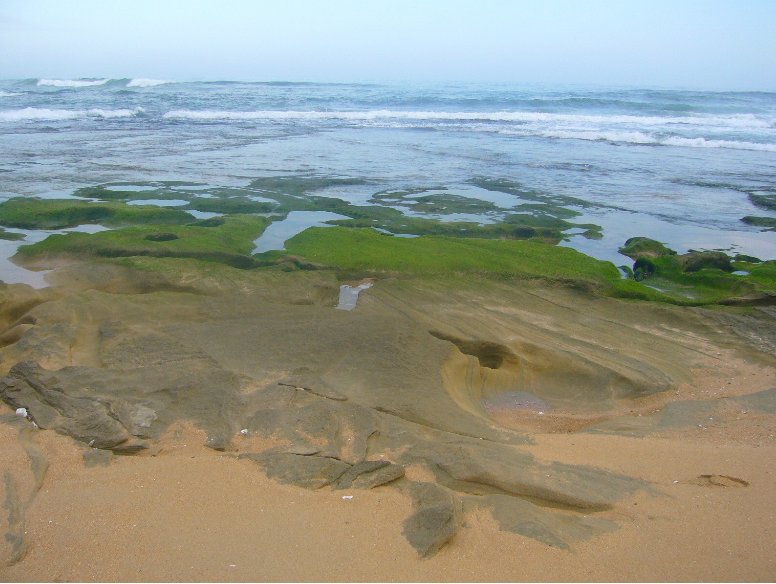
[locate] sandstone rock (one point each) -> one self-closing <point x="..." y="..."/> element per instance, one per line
<point x="369" y="474"/>
<point x="310" y="472"/>
<point x="436" y="518"/>
<point x="84" y="419"/>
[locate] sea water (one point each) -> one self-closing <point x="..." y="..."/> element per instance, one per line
<point x="674" y="165"/>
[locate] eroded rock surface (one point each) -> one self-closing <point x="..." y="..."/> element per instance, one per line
<point x="418" y="376"/>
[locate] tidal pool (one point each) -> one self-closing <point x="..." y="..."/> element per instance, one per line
<point x="348" y="296"/>
<point x="515" y="401"/>
<point x="276" y="235"/>
<point x="10" y="273"/>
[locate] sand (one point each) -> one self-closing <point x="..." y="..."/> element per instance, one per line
<point x="675" y="493"/>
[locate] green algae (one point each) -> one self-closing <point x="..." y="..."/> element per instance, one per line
<point x="698" y="278"/>
<point x="514" y="247"/>
<point x="230" y="243"/>
<point x="231" y="205"/>
<point x="362" y="252"/>
<point x="10" y="236"/>
<point x="522" y="227"/>
<point x="114" y="192"/>
<point x="768" y="223"/>
<point x="445" y="204"/>
<point x="370" y="252"/>
<point x="32" y="213"/>
<point x="764" y="200"/>
<point x="436" y="203"/>
<point x="503" y="185"/>
<point x="637" y="247"/>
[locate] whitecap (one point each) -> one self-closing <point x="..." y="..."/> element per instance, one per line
<point x="704" y="143"/>
<point x="8" y="94"/>
<point x="117" y="113"/>
<point x="609" y="136"/>
<point x="736" y="121"/>
<point x="71" y="82"/>
<point x="34" y="113"/>
<point x="140" y="82"/>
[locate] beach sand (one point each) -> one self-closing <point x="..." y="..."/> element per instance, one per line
<point x="654" y="460"/>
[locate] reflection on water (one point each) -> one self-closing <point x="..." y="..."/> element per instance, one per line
<point x="514" y="400"/>
<point x="275" y="236"/>
<point x="159" y="202"/>
<point x="10" y="273"/>
<point x="619" y="226"/>
<point x="348" y="297"/>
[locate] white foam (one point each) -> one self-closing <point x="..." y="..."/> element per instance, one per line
<point x="35" y="113"/>
<point x="594" y="135"/>
<point x="737" y="121"/>
<point x="117" y="113"/>
<point x="8" y="94"/>
<point x="704" y="143"/>
<point x="45" y="114"/>
<point x="147" y="82"/>
<point x="71" y="82"/>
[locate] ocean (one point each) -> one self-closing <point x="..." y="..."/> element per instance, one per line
<point x="678" y="166"/>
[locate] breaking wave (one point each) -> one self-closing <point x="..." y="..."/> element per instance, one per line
<point x="146" y="82"/>
<point x="735" y="121"/>
<point x="71" y="82"/>
<point x="621" y="129"/>
<point x="704" y="143"/>
<point x="36" y="114"/>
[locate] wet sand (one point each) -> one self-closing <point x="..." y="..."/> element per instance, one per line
<point x="666" y="472"/>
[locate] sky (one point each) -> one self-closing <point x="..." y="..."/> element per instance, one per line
<point x="712" y="44"/>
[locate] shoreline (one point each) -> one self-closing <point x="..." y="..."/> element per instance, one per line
<point x="675" y="439"/>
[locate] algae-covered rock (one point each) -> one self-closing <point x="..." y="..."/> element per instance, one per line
<point x="643" y="268"/>
<point x="764" y="200"/>
<point x="768" y="223"/>
<point x="694" y="261"/>
<point x="638" y="247"/>
<point x="32" y="213"/>
<point x="161" y="237"/>
<point x="10" y="236"/>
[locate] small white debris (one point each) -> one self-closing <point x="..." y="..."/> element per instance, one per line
<point x="22" y="412"/>
<point x="541" y="413"/>
<point x="91" y="442"/>
<point x="347" y="497"/>
<point x="244" y="431"/>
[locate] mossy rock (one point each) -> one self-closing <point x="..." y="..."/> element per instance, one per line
<point x="210" y="222"/>
<point x="231" y="243"/>
<point x="644" y="247"/>
<point x="161" y="237"/>
<point x="367" y="251"/>
<point x="746" y="258"/>
<point x="764" y="200"/>
<point x="768" y="223"/>
<point x="33" y="213"/>
<point x="643" y="268"/>
<point x="8" y="236"/>
<point x="699" y="260"/>
<point x="301" y="185"/>
<point x="232" y="205"/>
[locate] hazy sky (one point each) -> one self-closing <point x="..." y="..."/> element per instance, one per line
<point x="715" y="44"/>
